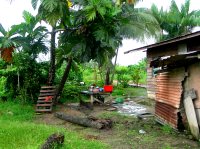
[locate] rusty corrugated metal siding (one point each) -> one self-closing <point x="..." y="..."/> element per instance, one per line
<point x="166" y="113"/>
<point x="168" y="95"/>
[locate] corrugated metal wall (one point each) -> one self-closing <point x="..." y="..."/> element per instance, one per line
<point x="168" y="95"/>
<point x="166" y="113"/>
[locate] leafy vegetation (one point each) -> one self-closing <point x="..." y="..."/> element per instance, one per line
<point x="175" y="22"/>
<point x="122" y="76"/>
<point x="90" y="33"/>
<point x="15" y="111"/>
<point x="129" y="92"/>
<point x="138" y="72"/>
<point x="23" y="73"/>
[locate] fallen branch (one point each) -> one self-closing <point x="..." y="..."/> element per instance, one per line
<point x="53" y="141"/>
<point x="87" y="122"/>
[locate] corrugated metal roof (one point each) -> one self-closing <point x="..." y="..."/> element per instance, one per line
<point x="170" y="41"/>
<point x="176" y="60"/>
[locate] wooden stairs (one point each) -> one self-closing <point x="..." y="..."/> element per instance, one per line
<point x="45" y="99"/>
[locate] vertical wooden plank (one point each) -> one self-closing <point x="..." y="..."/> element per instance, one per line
<point x="191" y="116"/>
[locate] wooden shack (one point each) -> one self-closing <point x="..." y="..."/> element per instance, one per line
<point x="173" y="68"/>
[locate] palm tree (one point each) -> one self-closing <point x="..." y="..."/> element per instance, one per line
<point x="120" y="2"/>
<point x="33" y="42"/>
<point x="101" y="26"/>
<point x="96" y="28"/>
<point x="34" y="36"/>
<point x="176" y="22"/>
<point x="29" y="40"/>
<point x="136" y="23"/>
<point x="52" y="12"/>
<point x="8" y="42"/>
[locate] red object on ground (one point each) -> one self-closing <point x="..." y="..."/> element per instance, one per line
<point x="48" y="98"/>
<point x="108" y="88"/>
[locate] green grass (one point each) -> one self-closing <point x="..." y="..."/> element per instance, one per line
<point x="30" y="136"/>
<point x="18" y="131"/>
<point x="16" y="112"/>
<point x="130" y="91"/>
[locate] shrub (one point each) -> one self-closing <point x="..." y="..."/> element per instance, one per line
<point x="118" y="91"/>
<point x="71" y="92"/>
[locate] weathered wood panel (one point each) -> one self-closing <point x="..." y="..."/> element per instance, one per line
<point x="151" y="88"/>
<point x="193" y="81"/>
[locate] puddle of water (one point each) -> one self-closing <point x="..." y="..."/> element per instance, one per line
<point x="130" y="108"/>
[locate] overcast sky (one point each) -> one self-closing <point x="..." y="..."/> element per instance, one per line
<point x="11" y="14"/>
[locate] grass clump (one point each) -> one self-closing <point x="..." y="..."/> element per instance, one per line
<point x="16" y="112"/>
<point x="130" y="91"/>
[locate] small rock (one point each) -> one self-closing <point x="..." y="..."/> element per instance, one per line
<point x="142" y="131"/>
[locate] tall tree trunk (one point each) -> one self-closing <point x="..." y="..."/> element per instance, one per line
<point x="107" y="81"/>
<point x="63" y="80"/>
<point x="112" y="78"/>
<point x="52" y="58"/>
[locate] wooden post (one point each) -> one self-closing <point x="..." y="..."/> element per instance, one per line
<point x="190" y="113"/>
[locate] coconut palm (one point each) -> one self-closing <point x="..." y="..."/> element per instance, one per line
<point x="175" y="21"/>
<point x="101" y="26"/>
<point x="96" y="28"/>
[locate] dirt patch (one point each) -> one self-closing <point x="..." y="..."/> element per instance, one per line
<point x="125" y="132"/>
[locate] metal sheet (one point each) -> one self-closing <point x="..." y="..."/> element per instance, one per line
<point x="169" y="87"/>
<point x="167" y="114"/>
<point x="168" y="95"/>
<point x="172" y="41"/>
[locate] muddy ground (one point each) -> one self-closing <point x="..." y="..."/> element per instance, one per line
<point x="126" y="130"/>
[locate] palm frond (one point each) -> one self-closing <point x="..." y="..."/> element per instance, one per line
<point x="27" y="16"/>
<point x="174" y="7"/>
<point x="52" y="11"/>
<point x="2" y="30"/>
<point x="34" y="3"/>
<point x="185" y="8"/>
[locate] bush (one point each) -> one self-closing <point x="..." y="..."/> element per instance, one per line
<point x="118" y="91"/>
<point x="2" y="88"/>
<point x="71" y="92"/>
